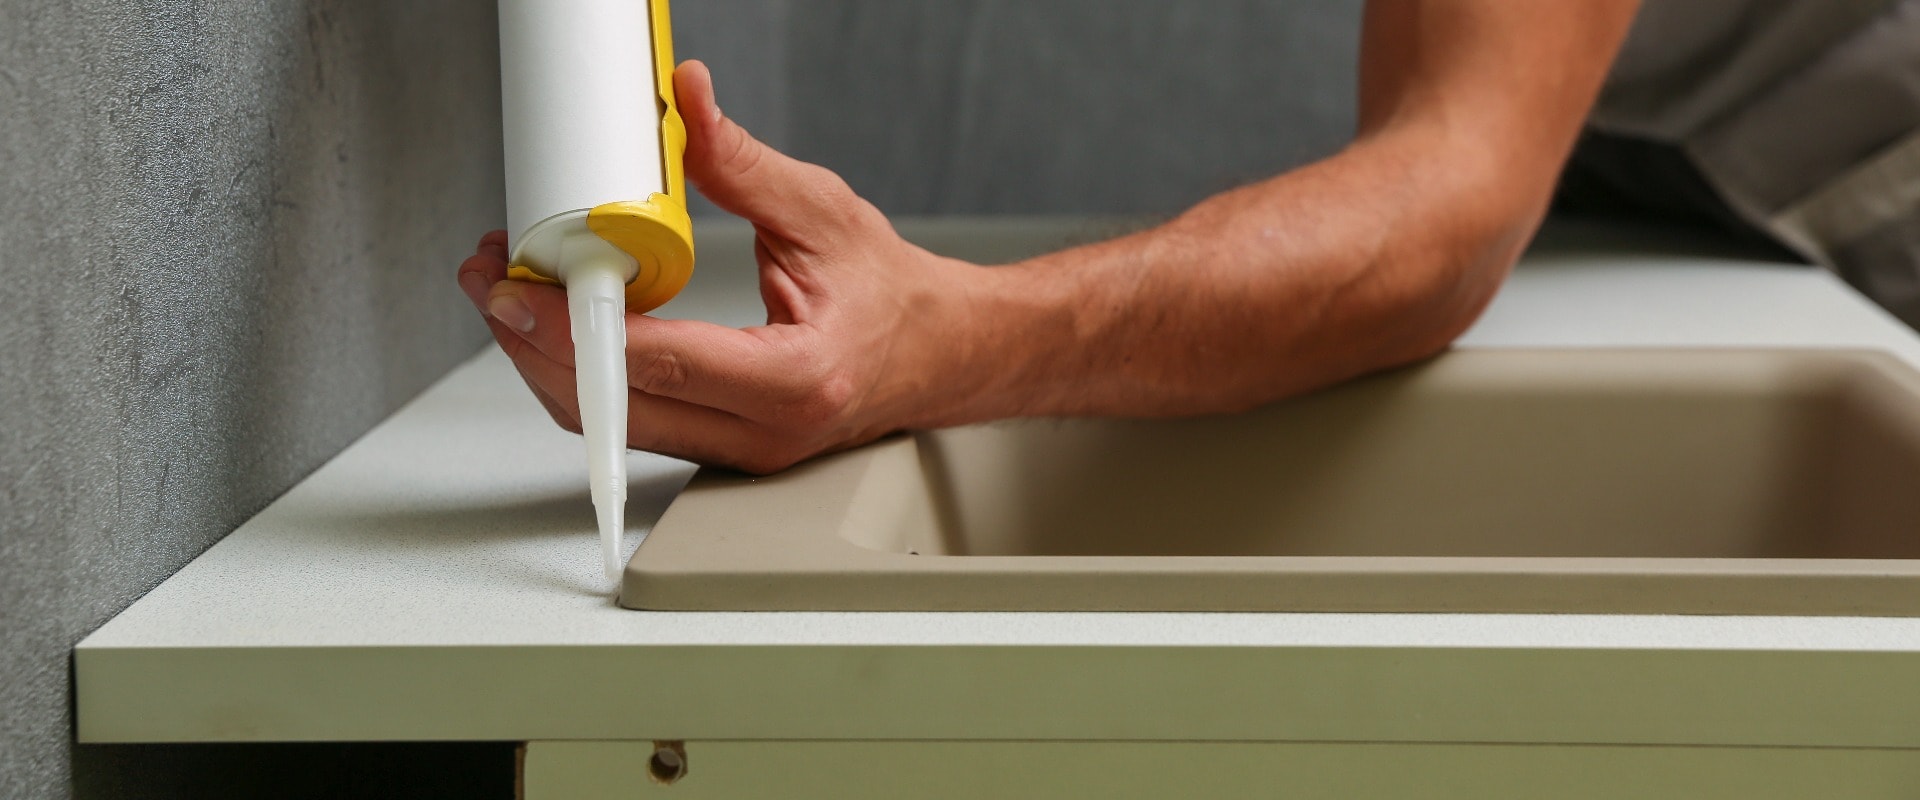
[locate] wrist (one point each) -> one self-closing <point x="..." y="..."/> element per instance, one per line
<point x="991" y="329"/>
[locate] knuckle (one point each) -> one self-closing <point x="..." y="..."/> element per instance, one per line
<point x="820" y="402"/>
<point x="743" y="153"/>
<point x="827" y="192"/>
<point x="823" y="183"/>
<point x="830" y="398"/>
<point x="660" y="373"/>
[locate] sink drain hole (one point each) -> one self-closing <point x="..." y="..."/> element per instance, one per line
<point x="669" y="762"/>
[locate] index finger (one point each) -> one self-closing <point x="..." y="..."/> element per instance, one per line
<point x="711" y="365"/>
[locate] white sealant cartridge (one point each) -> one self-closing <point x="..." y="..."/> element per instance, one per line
<point x="595" y="196"/>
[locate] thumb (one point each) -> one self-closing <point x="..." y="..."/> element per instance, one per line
<point x="745" y="177"/>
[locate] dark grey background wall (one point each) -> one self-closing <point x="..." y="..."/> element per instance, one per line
<point x="1017" y="106"/>
<point x="227" y="230"/>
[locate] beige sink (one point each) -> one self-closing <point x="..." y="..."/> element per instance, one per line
<point x="1642" y="481"/>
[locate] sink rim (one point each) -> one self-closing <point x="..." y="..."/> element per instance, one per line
<point x="798" y="559"/>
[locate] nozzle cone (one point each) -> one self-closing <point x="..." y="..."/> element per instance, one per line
<point x="595" y="301"/>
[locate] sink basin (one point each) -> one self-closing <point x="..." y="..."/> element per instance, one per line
<point x="1581" y="481"/>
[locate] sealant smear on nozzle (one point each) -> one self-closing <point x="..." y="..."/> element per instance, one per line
<point x="595" y="303"/>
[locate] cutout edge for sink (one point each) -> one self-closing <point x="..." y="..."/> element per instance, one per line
<point x="842" y="532"/>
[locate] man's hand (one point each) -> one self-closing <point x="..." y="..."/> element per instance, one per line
<point x="859" y="321"/>
<point x="1375" y="257"/>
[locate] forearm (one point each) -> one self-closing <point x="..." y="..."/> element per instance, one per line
<point x="1376" y="257"/>
<point x="1344" y="267"/>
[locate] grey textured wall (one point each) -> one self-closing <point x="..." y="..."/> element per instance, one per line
<point x="1035" y="106"/>
<point x="227" y="230"/>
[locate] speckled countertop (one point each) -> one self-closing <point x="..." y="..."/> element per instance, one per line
<point x="439" y="580"/>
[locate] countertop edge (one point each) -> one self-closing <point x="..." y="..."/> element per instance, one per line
<point x="1782" y="698"/>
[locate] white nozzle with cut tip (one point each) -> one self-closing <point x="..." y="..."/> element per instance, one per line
<point x="597" y="305"/>
<point x="586" y="96"/>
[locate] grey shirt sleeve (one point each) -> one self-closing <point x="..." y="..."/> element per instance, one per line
<point x="1802" y="115"/>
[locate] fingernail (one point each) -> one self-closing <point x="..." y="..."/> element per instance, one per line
<point x="512" y="312"/>
<point x="713" y="97"/>
<point x="475" y="285"/>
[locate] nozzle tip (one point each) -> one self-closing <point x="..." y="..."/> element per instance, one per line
<point x="612" y="514"/>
